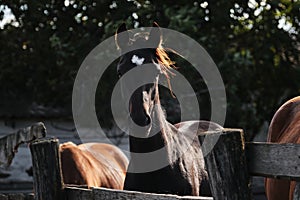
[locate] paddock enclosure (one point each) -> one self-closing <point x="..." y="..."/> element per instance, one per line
<point x="230" y="163"/>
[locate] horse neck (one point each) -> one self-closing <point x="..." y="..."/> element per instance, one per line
<point x="155" y="140"/>
<point x="163" y="135"/>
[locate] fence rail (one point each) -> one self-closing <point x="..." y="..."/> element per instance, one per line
<point x="280" y="161"/>
<point x="76" y="193"/>
<point x="17" y="197"/>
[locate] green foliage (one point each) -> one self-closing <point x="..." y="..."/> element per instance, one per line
<point x="255" y="44"/>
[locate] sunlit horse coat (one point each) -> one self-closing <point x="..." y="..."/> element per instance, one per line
<point x="284" y="128"/>
<point x="93" y="164"/>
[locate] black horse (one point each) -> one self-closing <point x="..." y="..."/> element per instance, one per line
<point x="165" y="158"/>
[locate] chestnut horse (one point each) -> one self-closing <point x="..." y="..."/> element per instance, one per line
<point x="93" y="164"/>
<point x="284" y="128"/>
<point x="165" y="158"/>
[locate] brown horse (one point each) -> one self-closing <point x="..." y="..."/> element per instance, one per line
<point x="165" y="158"/>
<point x="284" y="128"/>
<point x="93" y="164"/>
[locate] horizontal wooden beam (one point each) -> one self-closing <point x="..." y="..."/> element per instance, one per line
<point x="108" y="194"/>
<point x="77" y="193"/>
<point x="19" y="196"/>
<point x="274" y="160"/>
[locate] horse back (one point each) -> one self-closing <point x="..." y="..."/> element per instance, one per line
<point x="285" y="125"/>
<point x="284" y="128"/>
<point x="93" y="164"/>
<point x="107" y="151"/>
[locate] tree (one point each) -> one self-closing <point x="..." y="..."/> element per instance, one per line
<point x="255" y="44"/>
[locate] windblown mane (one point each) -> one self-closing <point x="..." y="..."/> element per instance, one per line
<point x="165" y="61"/>
<point x="166" y="64"/>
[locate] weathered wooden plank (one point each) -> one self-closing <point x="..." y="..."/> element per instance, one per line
<point x="74" y="193"/>
<point x="29" y="196"/>
<point x="226" y="164"/>
<point x="274" y="160"/>
<point x="10" y="143"/>
<point x="47" y="177"/>
<point x="108" y="194"/>
<point x="3" y="197"/>
<point x="297" y="191"/>
<point x="16" y="197"/>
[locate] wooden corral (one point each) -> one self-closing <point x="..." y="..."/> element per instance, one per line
<point x="230" y="163"/>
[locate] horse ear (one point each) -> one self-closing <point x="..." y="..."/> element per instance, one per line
<point x="155" y="36"/>
<point x="121" y="40"/>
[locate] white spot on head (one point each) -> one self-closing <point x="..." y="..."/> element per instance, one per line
<point x="136" y="60"/>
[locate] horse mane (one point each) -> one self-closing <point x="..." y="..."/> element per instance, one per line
<point x="166" y="64"/>
<point x="165" y="61"/>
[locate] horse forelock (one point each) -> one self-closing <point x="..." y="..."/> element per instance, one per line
<point x="140" y="36"/>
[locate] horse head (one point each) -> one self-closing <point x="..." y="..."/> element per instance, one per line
<point x="143" y="55"/>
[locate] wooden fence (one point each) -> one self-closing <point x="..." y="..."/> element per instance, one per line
<point x="230" y="164"/>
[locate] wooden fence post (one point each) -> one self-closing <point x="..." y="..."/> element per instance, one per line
<point x="47" y="178"/>
<point x="226" y="164"/>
